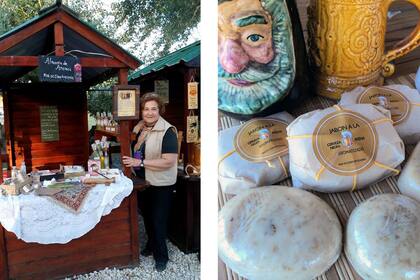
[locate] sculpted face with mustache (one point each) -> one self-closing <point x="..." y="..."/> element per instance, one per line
<point x="256" y="56"/>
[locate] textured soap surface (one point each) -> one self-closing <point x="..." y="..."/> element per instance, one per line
<point x="278" y="233"/>
<point x="383" y="238"/>
<point x="409" y="180"/>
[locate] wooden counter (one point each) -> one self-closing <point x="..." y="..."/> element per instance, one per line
<point x="113" y="242"/>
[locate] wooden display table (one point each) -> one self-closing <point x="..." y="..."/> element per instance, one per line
<point x="113" y="242"/>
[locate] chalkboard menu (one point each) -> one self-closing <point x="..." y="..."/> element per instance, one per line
<point x="60" y="69"/>
<point x="49" y="123"/>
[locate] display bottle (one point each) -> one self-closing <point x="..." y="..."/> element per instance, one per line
<point x="98" y="119"/>
<point x="14" y="172"/>
<point x="23" y="168"/>
<point x="106" y="159"/>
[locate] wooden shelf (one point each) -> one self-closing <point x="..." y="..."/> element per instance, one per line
<point x="100" y="132"/>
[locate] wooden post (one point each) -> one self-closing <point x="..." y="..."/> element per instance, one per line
<point x="188" y="74"/>
<point x="10" y="146"/>
<point x="125" y="133"/>
<point x="59" y="39"/>
<point x="125" y="140"/>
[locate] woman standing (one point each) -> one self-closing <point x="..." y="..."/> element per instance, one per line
<point x="155" y="153"/>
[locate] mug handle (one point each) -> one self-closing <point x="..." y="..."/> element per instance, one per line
<point x="402" y="47"/>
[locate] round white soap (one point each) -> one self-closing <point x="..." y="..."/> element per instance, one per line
<point x="383" y="238"/>
<point x="278" y="233"/>
<point x="409" y="180"/>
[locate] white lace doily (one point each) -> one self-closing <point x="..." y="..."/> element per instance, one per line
<point x="38" y="219"/>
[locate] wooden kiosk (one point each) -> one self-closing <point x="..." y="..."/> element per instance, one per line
<point x="58" y="32"/>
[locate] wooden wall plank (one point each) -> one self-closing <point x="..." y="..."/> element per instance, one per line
<point x="134" y="230"/>
<point x="26" y="130"/>
<point x="4" y="271"/>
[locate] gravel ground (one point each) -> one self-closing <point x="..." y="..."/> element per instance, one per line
<point x="180" y="266"/>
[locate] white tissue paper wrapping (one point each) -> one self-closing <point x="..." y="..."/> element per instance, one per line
<point x="304" y="165"/>
<point x="408" y="128"/>
<point x="237" y="174"/>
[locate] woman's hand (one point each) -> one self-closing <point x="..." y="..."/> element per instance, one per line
<point x="131" y="162"/>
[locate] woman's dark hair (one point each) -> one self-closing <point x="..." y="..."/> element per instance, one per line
<point x="152" y="97"/>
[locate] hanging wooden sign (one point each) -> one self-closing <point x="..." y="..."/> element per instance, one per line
<point x="192" y="95"/>
<point x="192" y="129"/>
<point x="59" y="69"/>
<point x="126" y="102"/>
<point x="162" y="89"/>
<point x="49" y="123"/>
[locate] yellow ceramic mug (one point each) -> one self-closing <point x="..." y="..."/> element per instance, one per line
<point x="347" y="41"/>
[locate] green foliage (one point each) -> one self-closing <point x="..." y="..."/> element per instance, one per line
<point x="170" y="21"/>
<point x="14" y="12"/>
<point x="99" y="101"/>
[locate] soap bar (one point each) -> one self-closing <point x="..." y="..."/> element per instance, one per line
<point x="278" y="233"/>
<point x="383" y="238"/>
<point x="409" y="181"/>
<point x="254" y="153"/>
<point x="402" y="101"/>
<point x="343" y="148"/>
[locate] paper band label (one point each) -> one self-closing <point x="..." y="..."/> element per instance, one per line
<point x="261" y="139"/>
<point x="345" y="143"/>
<point x="389" y="99"/>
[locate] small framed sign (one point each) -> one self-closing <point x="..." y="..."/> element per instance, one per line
<point x="126" y="102"/>
<point x="192" y="129"/>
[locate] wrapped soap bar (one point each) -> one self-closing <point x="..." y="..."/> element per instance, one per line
<point x="278" y="233"/>
<point x="254" y="154"/>
<point x="409" y="180"/>
<point x="342" y="148"/>
<point x="401" y="100"/>
<point x="383" y="238"/>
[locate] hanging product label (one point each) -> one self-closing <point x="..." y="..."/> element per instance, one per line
<point x="192" y="95"/>
<point x="192" y="129"/>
